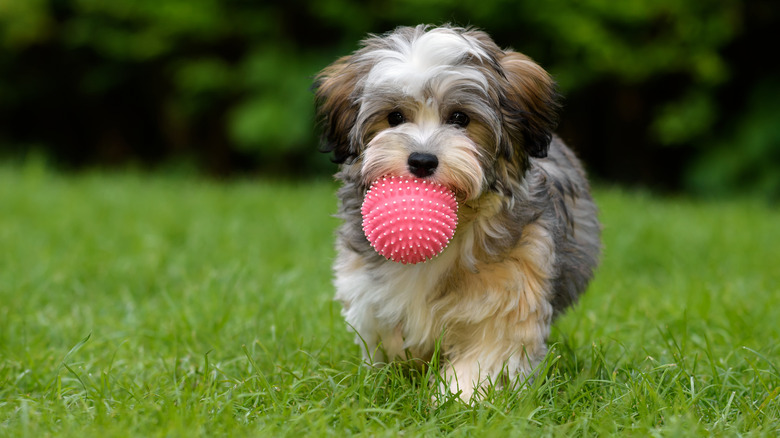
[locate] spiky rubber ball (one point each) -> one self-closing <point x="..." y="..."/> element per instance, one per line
<point x="409" y="220"/>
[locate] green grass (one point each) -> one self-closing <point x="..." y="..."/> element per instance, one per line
<point x="151" y="305"/>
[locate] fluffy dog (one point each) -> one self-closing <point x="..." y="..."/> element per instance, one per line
<point x="448" y="104"/>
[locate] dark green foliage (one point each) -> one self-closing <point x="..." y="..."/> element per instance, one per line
<point x="654" y="87"/>
<point x="748" y="157"/>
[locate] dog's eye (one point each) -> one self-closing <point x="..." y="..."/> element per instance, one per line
<point x="395" y="118"/>
<point x="459" y="118"/>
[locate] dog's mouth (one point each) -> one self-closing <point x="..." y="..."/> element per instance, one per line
<point x="461" y="196"/>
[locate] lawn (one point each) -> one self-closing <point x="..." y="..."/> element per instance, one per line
<point x="136" y="304"/>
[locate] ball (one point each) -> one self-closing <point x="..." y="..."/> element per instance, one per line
<point x="409" y="220"/>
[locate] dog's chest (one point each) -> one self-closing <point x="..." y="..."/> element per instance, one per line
<point x="422" y="299"/>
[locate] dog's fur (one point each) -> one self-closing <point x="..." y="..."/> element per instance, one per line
<point x="528" y="236"/>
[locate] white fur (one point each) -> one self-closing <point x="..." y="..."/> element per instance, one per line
<point x="410" y="66"/>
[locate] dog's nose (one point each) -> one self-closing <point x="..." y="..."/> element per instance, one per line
<point x="422" y="165"/>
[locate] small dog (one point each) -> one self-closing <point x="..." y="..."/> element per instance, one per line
<point x="448" y="104"/>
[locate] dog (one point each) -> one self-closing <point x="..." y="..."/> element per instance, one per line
<point x="447" y="104"/>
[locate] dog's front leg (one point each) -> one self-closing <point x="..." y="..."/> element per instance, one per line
<point x="378" y="344"/>
<point x="493" y="355"/>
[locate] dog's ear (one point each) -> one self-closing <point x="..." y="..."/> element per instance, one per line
<point x="530" y="104"/>
<point x="335" y="90"/>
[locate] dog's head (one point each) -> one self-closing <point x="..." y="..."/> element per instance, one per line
<point x="441" y="103"/>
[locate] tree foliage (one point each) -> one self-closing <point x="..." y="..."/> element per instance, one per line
<point x="227" y="83"/>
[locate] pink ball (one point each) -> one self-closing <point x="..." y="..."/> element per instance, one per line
<point x="409" y="220"/>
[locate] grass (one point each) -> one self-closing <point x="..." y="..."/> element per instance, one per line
<point x="152" y="305"/>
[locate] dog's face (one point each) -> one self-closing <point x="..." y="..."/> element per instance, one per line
<point x="445" y="103"/>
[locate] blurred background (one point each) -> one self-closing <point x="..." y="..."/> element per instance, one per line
<point x="674" y="95"/>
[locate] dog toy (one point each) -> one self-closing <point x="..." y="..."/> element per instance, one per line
<point x="409" y="220"/>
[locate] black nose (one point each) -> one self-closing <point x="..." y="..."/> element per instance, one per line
<point x="422" y="165"/>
